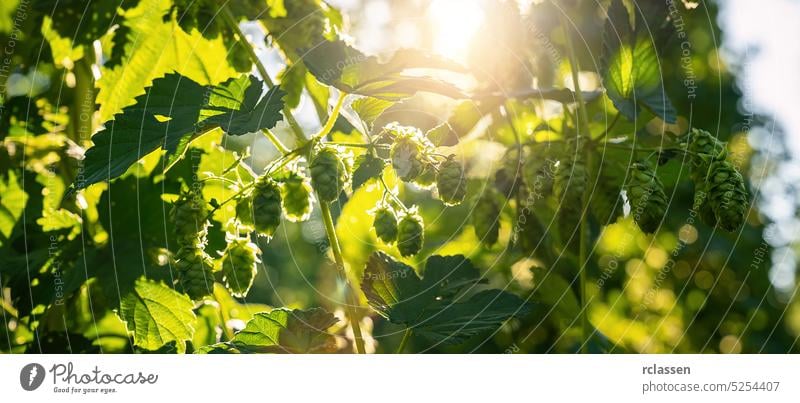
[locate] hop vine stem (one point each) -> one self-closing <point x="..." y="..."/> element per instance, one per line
<point x="229" y="19"/>
<point x="583" y="129"/>
<point x="330" y="228"/>
<point x="352" y="300"/>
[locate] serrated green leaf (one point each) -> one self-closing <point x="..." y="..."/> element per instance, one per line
<point x="12" y="205"/>
<point x="442" y="135"/>
<point x="348" y="69"/>
<point x="292" y="79"/>
<point x="367" y="167"/>
<point x="633" y="77"/>
<point x="554" y="291"/>
<point x="238" y="111"/>
<point x="288" y="331"/>
<point x="171" y="113"/>
<point x="369" y="109"/>
<point x="430" y="305"/>
<point x="161" y="118"/>
<point x="483" y="312"/>
<point x="156" y="315"/>
<point x="155" y="47"/>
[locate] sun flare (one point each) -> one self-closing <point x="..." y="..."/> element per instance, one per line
<point x="454" y="23"/>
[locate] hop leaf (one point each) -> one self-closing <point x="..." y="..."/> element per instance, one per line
<point x="727" y="195"/>
<point x="450" y="182"/>
<point x="410" y="234"/>
<point x="385" y="224"/>
<point x="266" y="206"/>
<point x="296" y="197"/>
<point x="194" y="269"/>
<point x="486" y="218"/>
<point x="328" y="174"/>
<point x="239" y="265"/>
<point x="188" y="216"/>
<point x="646" y="196"/>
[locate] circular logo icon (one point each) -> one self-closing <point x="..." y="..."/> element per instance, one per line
<point x="31" y="376"/>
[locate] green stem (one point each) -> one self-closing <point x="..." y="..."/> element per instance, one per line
<point x="352" y="302"/>
<point x="404" y="341"/>
<point x="357" y="145"/>
<point x="262" y="70"/>
<point x="275" y="141"/>
<point x="223" y="313"/>
<point x="332" y="118"/>
<point x="583" y="128"/>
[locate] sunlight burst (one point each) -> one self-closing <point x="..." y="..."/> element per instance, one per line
<point x="454" y="22"/>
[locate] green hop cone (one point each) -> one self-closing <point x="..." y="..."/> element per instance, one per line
<point x="385" y="224"/>
<point x="703" y="207"/>
<point x="266" y="206"/>
<point x="606" y="203"/>
<point x="727" y="195"/>
<point x="646" y="197"/>
<point x="705" y="149"/>
<point x="486" y="217"/>
<point x="427" y="177"/>
<point x="407" y="159"/>
<point x="188" y="216"/>
<point x="451" y="183"/>
<point x="508" y="178"/>
<point x="244" y="213"/>
<point x="328" y="174"/>
<point x="410" y="234"/>
<point x="194" y="268"/>
<point x="239" y="265"/>
<point x="531" y="232"/>
<point x="296" y="198"/>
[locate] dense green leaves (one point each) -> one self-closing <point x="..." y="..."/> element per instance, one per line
<point x="434" y="306"/>
<point x="631" y="68"/>
<point x="288" y="331"/>
<point x="157" y="315"/>
<point x="168" y="117"/>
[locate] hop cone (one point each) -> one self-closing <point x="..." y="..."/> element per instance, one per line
<point x="194" y="269"/>
<point x="427" y="177"/>
<point x="266" y="206"/>
<point x="296" y="198"/>
<point x="385" y="224"/>
<point x="188" y="216"/>
<point x="410" y="234"/>
<point x="606" y="202"/>
<point x="239" y="264"/>
<point x="705" y="149"/>
<point x="508" y="178"/>
<point x="328" y="174"/>
<point x="646" y="196"/>
<point x="727" y="195"/>
<point x="703" y="207"/>
<point x="486" y="218"/>
<point x="407" y="158"/>
<point x="450" y="182"/>
<point x="531" y="231"/>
